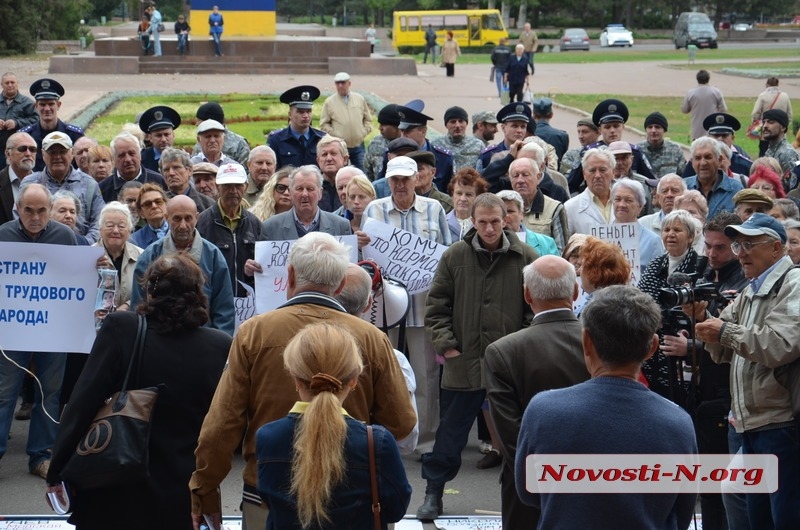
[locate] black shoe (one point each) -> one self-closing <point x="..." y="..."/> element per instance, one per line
<point x="492" y="459"/>
<point x="24" y="411"/>
<point x="431" y="508"/>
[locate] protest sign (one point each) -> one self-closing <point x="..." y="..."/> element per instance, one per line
<point x="245" y="306"/>
<point x="403" y="256"/>
<point x="47" y="297"/>
<point x="274" y="259"/>
<point x="626" y="236"/>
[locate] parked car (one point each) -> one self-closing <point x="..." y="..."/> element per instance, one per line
<point x="742" y="26"/>
<point x="574" y="39"/>
<point x="616" y="35"/>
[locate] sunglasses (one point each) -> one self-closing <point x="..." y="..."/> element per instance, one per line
<point x="29" y="148"/>
<point x="157" y="202"/>
<point x="281" y="188"/>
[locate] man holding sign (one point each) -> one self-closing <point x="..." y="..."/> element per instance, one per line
<point x="33" y="226"/>
<point x="423" y="217"/>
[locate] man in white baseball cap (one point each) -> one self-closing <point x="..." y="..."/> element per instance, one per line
<point x="211" y="137"/>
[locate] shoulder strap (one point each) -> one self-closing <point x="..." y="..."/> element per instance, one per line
<point x="779" y="282"/>
<point x="373" y="478"/>
<point x="775" y="100"/>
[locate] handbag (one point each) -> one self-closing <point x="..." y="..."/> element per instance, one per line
<point x="373" y="479"/>
<point x="160" y="28"/>
<point x="115" y="448"/>
<point x="527" y="96"/>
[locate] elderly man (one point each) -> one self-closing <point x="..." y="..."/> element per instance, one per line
<point x="588" y="133"/>
<point x="543" y="215"/>
<point x="305" y="185"/>
<point x="211" y="137"/>
<point x="665" y="156"/>
<point x="388" y="122"/>
<point x="20" y="153"/>
<point x="397" y="147"/>
<point x="623" y="156"/>
<point x="183" y="237"/>
<point x="514" y="119"/>
<point x="204" y="176"/>
<point x="159" y="124"/>
<point x="343" y="178"/>
<point x="127" y="154"/>
<point x="484" y="126"/>
<point x="426" y="169"/>
<point x="80" y="153"/>
<point x="593" y="206"/>
<point x="254" y="388"/>
<point x="605" y="416"/>
<point x="260" y="166"/>
<point x="296" y="144"/>
<point x="543" y="113"/>
<point x="723" y="127"/>
<point x="17" y="113"/>
<point x="235" y="146"/>
<point x="748" y="201"/>
<point x="758" y="335"/>
<point x="59" y="174"/>
<point x="152" y="206"/>
<point x="513" y="376"/>
<point x="669" y="187"/>
<point x="463" y="320"/>
<point x="701" y="101"/>
<point x="332" y="156"/>
<point x="48" y="93"/>
<point x="529" y="41"/>
<point x="424" y="217"/>
<point x="33" y="226"/>
<point x="346" y="115"/>
<point x="774" y="124"/>
<point x="610" y="116"/>
<point x="177" y="169"/>
<point x="465" y="148"/>
<point x="517" y="73"/>
<point x="229" y="225"/>
<point x="716" y="187"/>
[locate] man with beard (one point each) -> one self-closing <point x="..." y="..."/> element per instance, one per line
<point x="159" y="123"/>
<point x="17" y="113"/>
<point x="774" y="124"/>
<point x="296" y="144"/>
<point x="48" y="93"/>
<point x="20" y="152"/>
<point x="665" y="156"/>
<point x="484" y="126"/>
<point x="127" y="154"/>
<point x="260" y="165"/>
<point x="465" y="148"/>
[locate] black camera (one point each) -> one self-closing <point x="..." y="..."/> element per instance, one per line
<point x="686" y="294"/>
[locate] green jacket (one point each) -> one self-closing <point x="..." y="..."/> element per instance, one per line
<point x="476" y="298"/>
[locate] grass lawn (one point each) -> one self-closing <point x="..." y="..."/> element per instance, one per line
<point x="251" y="115"/>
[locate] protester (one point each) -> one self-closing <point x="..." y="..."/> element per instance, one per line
<point x="276" y="196"/>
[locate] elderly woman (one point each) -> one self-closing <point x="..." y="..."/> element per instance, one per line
<point x="180" y="356"/>
<point x="726" y="153"/>
<point x="767" y="181"/>
<point x="464" y="188"/>
<point x="572" y="252"/>
<point x="602" y="264"/>
<point x="116" y="226"/>
<point x="692" y="201"/>
<point x="66" y="210"/>
<point x="450" y="51"/>
<point x="275" y="198"/>
<point x="793" y="240"/>
<point x="677" y="233"/>
<point x="627" y="201"/>
<point x="100" y="162"/>
<point x="785" y="209"/>
<point x="515" y="213"/>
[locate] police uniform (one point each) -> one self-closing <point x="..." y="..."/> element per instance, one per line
<point x="48" y="89"/>
<point x="373" y="157"/>
<point x="610" y="110"/>
<point x="558" y="138"/>
<point x="287" y="144"/>
<point x="722" y="123"/>
<point x="155" y="119"/>
<point x="511" y="112"/>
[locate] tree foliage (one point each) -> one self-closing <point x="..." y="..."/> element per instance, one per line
<point x="18" y="38"/>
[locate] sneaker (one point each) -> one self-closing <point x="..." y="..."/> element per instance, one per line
<point x="484" y="447"/>
<point x="41" y="469"/>
<point x="492" y="459"/>
<point x="24" y="411"/>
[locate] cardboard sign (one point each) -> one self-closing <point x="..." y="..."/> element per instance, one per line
<point x="626" y="236"/>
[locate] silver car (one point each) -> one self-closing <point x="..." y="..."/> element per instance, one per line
<point x="574" y="39"/>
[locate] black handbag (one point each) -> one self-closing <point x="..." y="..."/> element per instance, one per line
<point x="115" y="448"/>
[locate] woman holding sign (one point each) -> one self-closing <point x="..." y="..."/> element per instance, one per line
<point x="627" y="200"/>
<point x="359" y="194"/>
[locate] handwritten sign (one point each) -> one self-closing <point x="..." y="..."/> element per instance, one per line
<point x="274" y="259"/>
<point x="626" y="236"/>
<point x="47" y="297"/>
<point x="403" y="256"/>
<point x="245" y="306"/>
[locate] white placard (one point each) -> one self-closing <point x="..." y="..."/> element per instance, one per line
<point x="626" y="236"/>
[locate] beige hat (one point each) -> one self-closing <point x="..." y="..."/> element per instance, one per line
<point x="56" y="138"/>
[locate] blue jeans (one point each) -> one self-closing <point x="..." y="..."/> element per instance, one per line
<point x="156" y="43"/>
<point x="217" y="45"/>
<point x="498" y="78"/>
<point x="357" y="156"/>
<point x="458" y="414"/>
<point x="182" y="40"/>
<point x="735" y="503"/>
<point x="779" y="510"/>
<point x="49" y="368"/>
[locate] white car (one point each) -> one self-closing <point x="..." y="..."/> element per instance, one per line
<point x="616" y="35"/>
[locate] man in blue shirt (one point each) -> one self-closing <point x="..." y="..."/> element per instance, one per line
<point x="716" y="187"/>
<point x="296" y="145"/>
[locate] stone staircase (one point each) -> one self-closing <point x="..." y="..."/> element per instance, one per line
<point x="247" y="65"/>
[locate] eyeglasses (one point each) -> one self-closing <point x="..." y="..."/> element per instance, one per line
<point x="130" y="200"/>
<point x="766" y="187"/>
<point x="281" y="188"/>
<point x="29" y="148"/>
<point x="157" y="202"/>
<point x="747" y="246"/>
<point x="119" y="226"/>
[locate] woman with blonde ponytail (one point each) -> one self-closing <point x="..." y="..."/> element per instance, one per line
<point x="313" y="465"/>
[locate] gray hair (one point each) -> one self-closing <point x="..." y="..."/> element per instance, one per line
<point x="788" y="207"/>
<point x="670" y="177"/>
<point x="706" y="141"/>
<point x="632" y="185"/>
<point x="171" y="154"/>
<point x="695" y="197"/>
<point x="621" y="321"/>
<point x="343" y="171"/>
<point x="512" y="196"/>
<point x="533" y="147"/>
<point x="116" y="207"/>
<point x="66" y="194"/>
<point x="357" y="288"/>
<point x="124" y="136"/>
<point x="541" y="287"/>
<point x="12" y="140"/>
<point x="309" y="169"/>
<point x="725" y="150"/>
<point x="131" y="184"/>
<point x="319" y="261"/>
<point x="260" y="149"/>
<point x="683" y="217"/>
<point x="598" y="152"/>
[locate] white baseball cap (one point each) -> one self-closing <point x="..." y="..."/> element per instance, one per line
<point x="210" y="125"/>
<point x="401" y="166"/>
<point x="341" y="76"/>
<point x="231" y="174"/>
<point x="56" y="138"/>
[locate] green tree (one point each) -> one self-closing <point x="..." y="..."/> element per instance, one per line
<point x="19" y="38"/>
<point x="62" y="19"/>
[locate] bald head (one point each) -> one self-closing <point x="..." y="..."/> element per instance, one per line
<point x="550" y="282"/>
<point x="181" y="201"/>
<point x="33" y="206"/>
<point x="182" y="219"/>
<point x="355" y="296"/>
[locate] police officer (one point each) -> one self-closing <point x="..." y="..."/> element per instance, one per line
<point x="464" y="146"/>
<point x="388" y="122"/>
<point x="296" y="145"/>
<point x="514" y="119"/>
<point x="610" y="116"/>
<point x="160" y="123"/>
<point x="558" y="138"/>
<point x="47" y="93"/>
<point x="414" y="125"/>
<point x="723" y="127"/>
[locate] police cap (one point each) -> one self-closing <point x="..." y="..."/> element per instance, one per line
<point x="610" y="110"/>
<point x="46" y="89"/>
<point x="721" y="123"/>
<point x="157" y="118"/>
<point x="410" y="118"/>
<point x="515" y="112"/>
<point x="302" y="96"/>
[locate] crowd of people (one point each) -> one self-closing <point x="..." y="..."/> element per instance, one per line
<point x="526" y="298"/>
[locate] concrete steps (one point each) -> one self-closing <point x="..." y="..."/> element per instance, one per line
<point x="247" y="65"/>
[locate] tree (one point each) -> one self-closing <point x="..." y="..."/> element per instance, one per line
<point x="18" y="38"/>
<point x="62" y="19"/>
